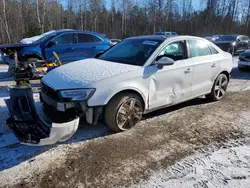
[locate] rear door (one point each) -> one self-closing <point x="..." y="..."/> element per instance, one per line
<point x="89" y="45"/>
<point x="173" y="83"/>
<point x="206" y="66"/>
<point x="64" y="47"/>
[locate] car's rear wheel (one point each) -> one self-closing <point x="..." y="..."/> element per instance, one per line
<point x="123" y="112"/>
<point x="219" y="88"/>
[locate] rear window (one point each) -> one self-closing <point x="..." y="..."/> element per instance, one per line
<point x="198" y="48"/>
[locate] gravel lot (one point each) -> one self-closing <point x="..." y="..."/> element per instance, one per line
<point x="195" y="144"/>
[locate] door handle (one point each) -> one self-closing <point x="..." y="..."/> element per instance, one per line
<point x="213" y="65"/>
<point x="187" y="71"/>
<point x="93" y="46"/>
<point x="70" y="48"/>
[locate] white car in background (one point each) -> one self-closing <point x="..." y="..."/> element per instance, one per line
<point x="134" y="77"/>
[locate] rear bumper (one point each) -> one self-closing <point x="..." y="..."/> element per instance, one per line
<point x="244" y="63"/>
<point x="30" y="124"/>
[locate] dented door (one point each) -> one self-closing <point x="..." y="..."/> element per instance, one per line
<point x="173" y="83"/>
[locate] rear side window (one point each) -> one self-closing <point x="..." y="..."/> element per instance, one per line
<point x="64" y="39"/>
<point x="213" y="50"/>
<point x="198" y="48"/>
<point x="85" y="38"/>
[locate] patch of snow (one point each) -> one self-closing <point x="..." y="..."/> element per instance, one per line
<point x="84" y="72"/>
<point x="35" y="38"/>
<point x="222" y="168"/>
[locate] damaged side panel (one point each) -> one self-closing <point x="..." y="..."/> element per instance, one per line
<point x="29" y="126"/>
<point x="170" y="85"/>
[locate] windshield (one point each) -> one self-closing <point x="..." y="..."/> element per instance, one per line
<point x="226" y="38"/>
<point x="39" y="38"/>
<point x="132" y="51"/>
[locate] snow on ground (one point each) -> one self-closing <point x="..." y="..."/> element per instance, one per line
<point x="221" y="168"/>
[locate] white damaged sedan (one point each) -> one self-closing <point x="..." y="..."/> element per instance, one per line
<point x="134" y="77"/>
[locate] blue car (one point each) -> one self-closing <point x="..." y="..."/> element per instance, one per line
<point x="70" y="45"/>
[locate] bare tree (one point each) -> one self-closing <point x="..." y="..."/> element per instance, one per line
<point x="5" y="21"/>
<point x="41" y="18"/>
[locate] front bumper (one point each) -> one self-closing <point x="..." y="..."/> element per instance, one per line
<point x="30" y="124"/>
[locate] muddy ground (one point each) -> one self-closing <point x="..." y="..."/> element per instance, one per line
<point x="138" y="157"/>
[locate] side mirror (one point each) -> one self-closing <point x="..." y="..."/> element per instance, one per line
<point x="99" y="54"/>
<point x="51" y="43"/>
<point x="164" y="61"/>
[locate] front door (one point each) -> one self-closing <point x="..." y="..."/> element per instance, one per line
<point x="64" y="46"/>
<point x="173" y="83"/>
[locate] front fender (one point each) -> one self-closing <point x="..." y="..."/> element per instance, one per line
<point x="35" y="51"/>
<point x="103" y="96"/>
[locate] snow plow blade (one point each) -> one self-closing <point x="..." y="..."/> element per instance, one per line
<point x="30" y="125"/>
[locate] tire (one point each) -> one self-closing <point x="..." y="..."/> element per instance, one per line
<point x="32" y="60"/>
<point x="118" y="117"/>
<point x="219" y="88"/>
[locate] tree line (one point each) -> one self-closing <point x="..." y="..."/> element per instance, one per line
<point x="123" y="18"/>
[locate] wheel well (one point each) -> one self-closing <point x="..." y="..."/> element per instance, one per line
<point x="32" y="56"/>
<point x="226" y="73"/>
<point x="130" y="91"/>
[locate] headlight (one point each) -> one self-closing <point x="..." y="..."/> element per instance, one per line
<point x="77" y="94"/>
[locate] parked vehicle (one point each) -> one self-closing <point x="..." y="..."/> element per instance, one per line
<point x="70" y="45"/>
<point x="215" y="37"/>
<point x="169" y="33"/>
<point x="134" y="77"/>
<point x="234" y="44"/>
<point x="208" y="38"/>
<point x="244" y="61"/>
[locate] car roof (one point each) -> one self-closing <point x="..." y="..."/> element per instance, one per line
<point x="163" y="38"/>
<point x="59" y="31"/>
<point x="234" y="35"/>
<point x="151" y="37"/>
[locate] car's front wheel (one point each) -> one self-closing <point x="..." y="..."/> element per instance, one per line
<point x="219" y="88"/>
<point x="123" y="111"/>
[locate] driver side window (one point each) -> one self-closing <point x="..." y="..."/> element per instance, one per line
<point x="174" y="51"/>
<point x="64" y="39"/>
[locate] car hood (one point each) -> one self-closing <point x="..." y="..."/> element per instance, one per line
<point x="80" y="74"/>
<point x="19" y="45"/>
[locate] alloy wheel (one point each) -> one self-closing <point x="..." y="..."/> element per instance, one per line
<point x="129" y="113"/>
<point x="220" y="86"/>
